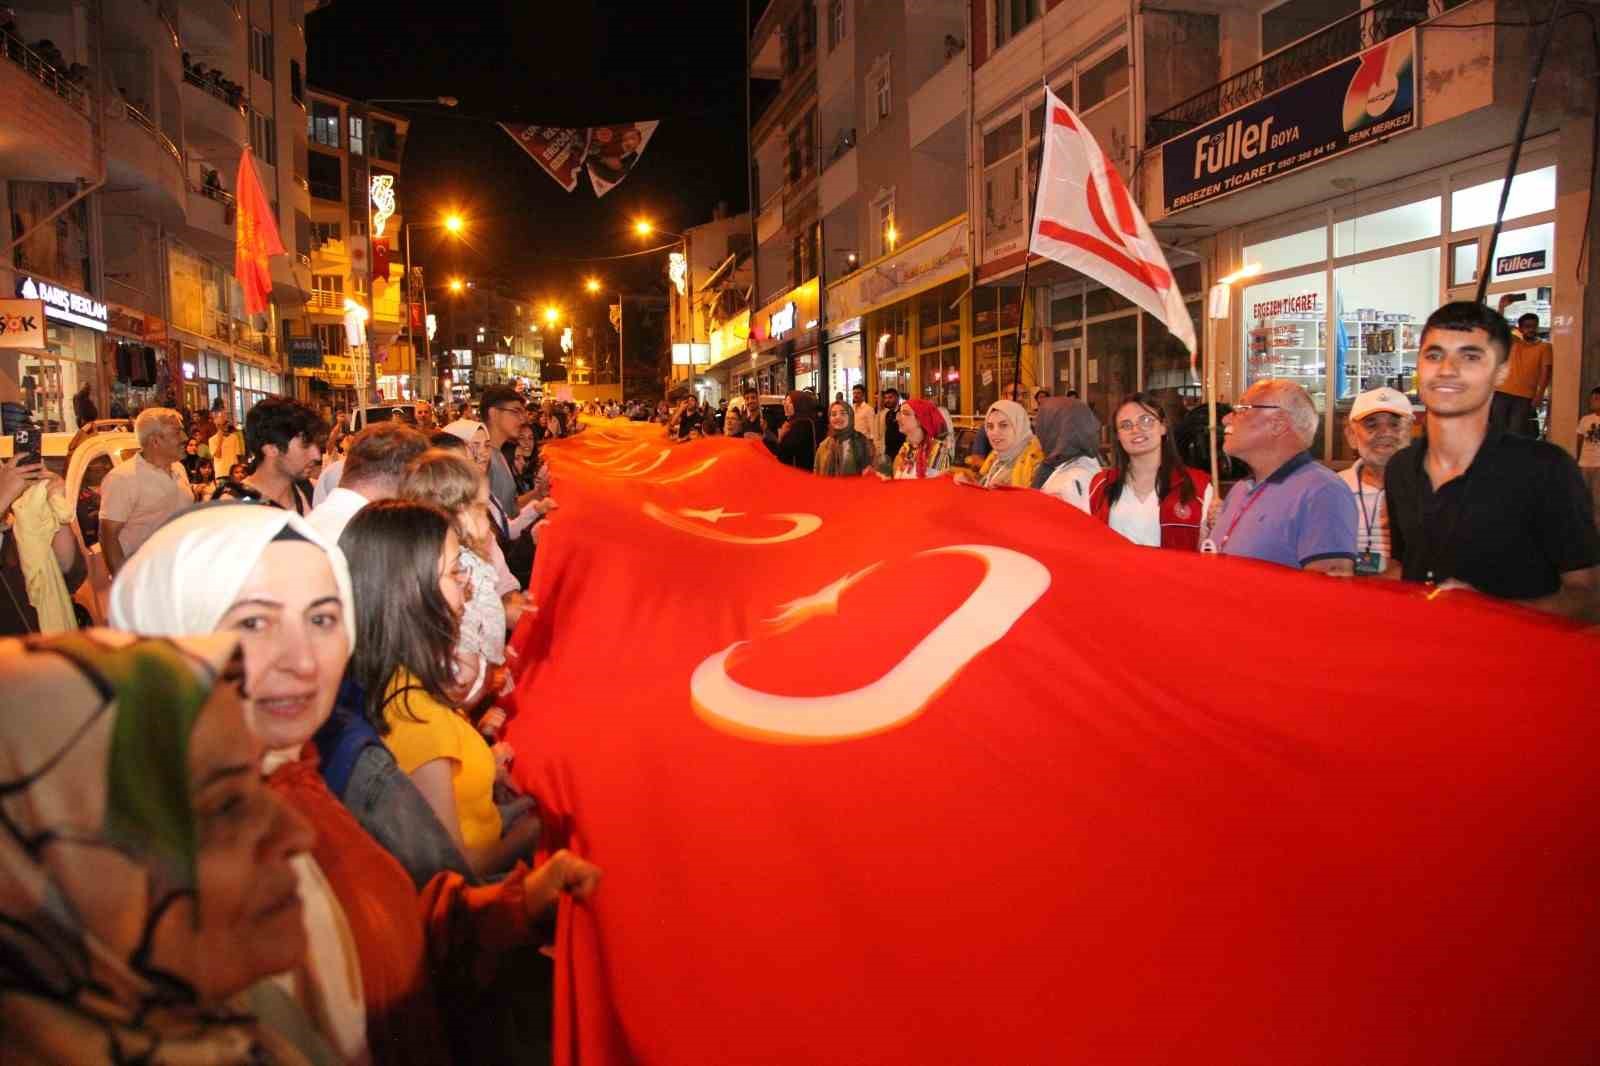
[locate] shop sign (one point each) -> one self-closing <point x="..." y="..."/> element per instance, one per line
<point x="926" y="262"/>
<point x="1306" y="303"/>
<point x="22" y="324"/>
<point x="731" y="338"/>
<point x="1359" y="101"/>
<point x="305" y="353"/>
<point x="128" y="323"/>
<point x="690" y="354"/>
<point x="64" y="305"/>
<point x="781" y="321"/>
<point x="1521" y="263"/>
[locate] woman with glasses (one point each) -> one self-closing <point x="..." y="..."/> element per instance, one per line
<point x="1150" y="496"/>
<point x="1069" y="434"/>
<point x="405" y="563"/>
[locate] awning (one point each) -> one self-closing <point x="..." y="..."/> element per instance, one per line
<point x="929" y="261"/>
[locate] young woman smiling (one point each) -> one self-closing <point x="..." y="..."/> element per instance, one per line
<point x="1149" y="496"/>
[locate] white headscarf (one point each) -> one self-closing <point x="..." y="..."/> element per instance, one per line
<point x="180" y="583"/>
<point x="185" y="577"/>
<point x="468" y="430"/>
<point x="1021" y="430"/>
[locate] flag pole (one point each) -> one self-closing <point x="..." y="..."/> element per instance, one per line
<point x="1027" y="255"/>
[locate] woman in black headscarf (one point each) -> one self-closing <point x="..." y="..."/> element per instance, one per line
<point x="797" y="440"/>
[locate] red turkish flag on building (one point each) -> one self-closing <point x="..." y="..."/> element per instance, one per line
<point x="935" y="774"/>
<point x="255" y="238"/>
<point x="380" y="258"/>
<point x="1086" y="220"/>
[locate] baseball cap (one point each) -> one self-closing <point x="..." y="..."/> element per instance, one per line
<point x="1379" y="399"/>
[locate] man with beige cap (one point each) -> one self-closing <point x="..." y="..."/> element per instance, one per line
<point x="1379" y="426"/>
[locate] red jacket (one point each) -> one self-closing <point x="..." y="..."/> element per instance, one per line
<point x="1180" y="522"/>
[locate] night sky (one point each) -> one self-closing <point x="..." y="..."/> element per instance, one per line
<point x="555" y="62"/>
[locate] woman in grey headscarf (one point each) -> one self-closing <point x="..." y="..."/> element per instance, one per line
<point x="1069" y="433"/>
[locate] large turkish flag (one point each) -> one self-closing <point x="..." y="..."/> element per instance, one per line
<point x="917" y="773"/>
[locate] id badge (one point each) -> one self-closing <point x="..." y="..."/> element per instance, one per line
<point x="1369" y="564"/>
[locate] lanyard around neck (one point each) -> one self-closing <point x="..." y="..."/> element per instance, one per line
<point x="1361" y="502"/>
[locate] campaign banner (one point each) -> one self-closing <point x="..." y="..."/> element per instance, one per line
<point x="1356" y="102"/>
<point x="607" y="153"/>
<point x="930" y="789"/>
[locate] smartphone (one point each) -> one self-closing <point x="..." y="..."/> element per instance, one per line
<point x="25" y="445"/>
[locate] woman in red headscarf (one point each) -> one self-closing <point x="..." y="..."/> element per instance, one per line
<point x="924" y="454"/>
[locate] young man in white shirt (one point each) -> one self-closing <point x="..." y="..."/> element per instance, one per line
<point x="139" y="495"/>
<point x="1379" y="426"/>
<point x="864" y="418"/>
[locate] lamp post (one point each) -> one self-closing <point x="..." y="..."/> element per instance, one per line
<point x="645" y="228"/>
<point x="453" y="225"/>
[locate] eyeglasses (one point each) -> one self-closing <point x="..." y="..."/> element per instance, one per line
<point x="511" y="410"/>
<point x="1142" y="422"/>
<point x="1257" y="407"/>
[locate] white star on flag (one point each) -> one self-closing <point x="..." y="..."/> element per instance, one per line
<point x="1086" y="220"/>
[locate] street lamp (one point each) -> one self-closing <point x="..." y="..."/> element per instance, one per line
<point x="454" y="225"/>
<point x="591" y="286"/>
<point x="685" y="286"/>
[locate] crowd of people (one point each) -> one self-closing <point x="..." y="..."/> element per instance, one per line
<point x="268" y="813"/>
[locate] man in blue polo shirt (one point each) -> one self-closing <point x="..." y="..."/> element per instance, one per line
<point x="1292" y="510"/>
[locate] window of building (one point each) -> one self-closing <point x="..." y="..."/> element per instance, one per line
<point x="1011" y="16"/>
<point x="385" y="140"/>
<point x="939" y="345"/>
<point x="1532" y="192"/>
<point x="1370" y="230"/>
<point x="883" y="91"/>
<point x="1285" y="332"/>
<point x="893" y="350"/>
<point x="324" y="176"/>
<point x="836" y="24"/>
<point x="1103" y="80"/>
<point x="1003" y="194"/>
<point x="264" y="137"/>
<point x="357" y="138"/>
<point x="323" y="232"/>
<point x="1294" y="19"/>
<point x="327" y="290"/>
<point x="261" y="53"/>
<point x="331" y="337"/>
<point x="322" y="124"/>
<point x="1276" y="253"/>
<point x="801" y="156"/>
<point x="1379" y="306"/>
<point x="884" y="234"/>
<point x="297" y="85"/>
<point x="800" y="37"/>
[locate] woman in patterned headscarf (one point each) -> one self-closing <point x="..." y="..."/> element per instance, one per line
<point x="146" y="890"/>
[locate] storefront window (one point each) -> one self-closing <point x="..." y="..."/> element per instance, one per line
<point x="1168" y="377"/>
<point x="844" y="365"/>
<point x="939" y="345"/>
<point x="1381" y="307"/>
<point x="1284" y="332"/>
<point x="1535" y="247"/>
<point x="1066" y="332"/>
<point x="1532" y="191"/>
<point x="1111" y="368"/>
<point x="1292" y="250"/>
<point x="893" y="350"/>
<point x="1385" y="229"/>
<point x="941" y="378"/>
<point x="1004" y="199"/>
<point x="1464" y="263"/>
<point x="994" y="361"/>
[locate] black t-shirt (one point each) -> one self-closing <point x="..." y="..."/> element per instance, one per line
<point x="1518" y="519"/>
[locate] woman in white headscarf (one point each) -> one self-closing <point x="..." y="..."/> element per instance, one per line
<point x="266" y="575"/>
<point x="1016" y="453"/>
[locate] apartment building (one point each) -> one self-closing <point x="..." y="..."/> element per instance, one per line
<point x="486" y="335"/>
<point x="1247" y="136"/>
<point x="355" y="237"/>
<point x="122" y="126"/>
<point x="710" y="292"/>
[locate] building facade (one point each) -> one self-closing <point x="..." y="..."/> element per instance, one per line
<point x="485" y="336"/>
<point x="896" y="164"/>
<point x="123" y="125"/>
<point x="356" y="237"/>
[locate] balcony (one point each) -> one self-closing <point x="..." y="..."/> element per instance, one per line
<point x="940" y="101"/>
<point x="325" y="303"/>
<point x="143" y="164"/>
<point x="839" y="182"/>
<point x="212" y="114"/>
<point x="210" y="225"/>
<point x="1342" y="39"/>
<point x="214" y="27"/>
<point x="769" y="223"/>
<point x="45" y="133"/>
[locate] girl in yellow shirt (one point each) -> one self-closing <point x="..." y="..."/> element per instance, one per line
<point x="410" y="585"/>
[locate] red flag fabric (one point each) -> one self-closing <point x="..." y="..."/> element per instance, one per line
<point x="255" y="238"/>
<point x="912" y="772"/>
<point x="380" y="258"/>
<point x="1086" y="219"/>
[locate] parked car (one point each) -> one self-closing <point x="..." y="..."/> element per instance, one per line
<point x="383" y="412"/>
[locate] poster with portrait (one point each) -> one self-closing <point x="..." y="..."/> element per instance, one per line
<point x="558" y="149"/>
<point x="608" y="153"/>
<point x="614" y="151"/>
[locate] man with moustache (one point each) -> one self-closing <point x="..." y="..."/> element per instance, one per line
<point x="1472" y="505"/>
<point x="1379" y="426"/>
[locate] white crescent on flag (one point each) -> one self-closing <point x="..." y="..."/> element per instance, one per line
<point x="1086" y="220"/>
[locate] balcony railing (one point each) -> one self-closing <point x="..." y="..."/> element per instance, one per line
<point x="144" y="121"/>
<point x="234" y="100"/>
<point x="54" y="79"/>
<point x="1342" y="39"/>
<point x="326" y="301"/>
